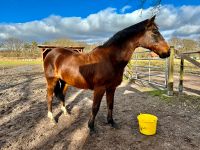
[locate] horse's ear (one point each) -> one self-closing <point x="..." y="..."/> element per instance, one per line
<point x="150" y="21"/>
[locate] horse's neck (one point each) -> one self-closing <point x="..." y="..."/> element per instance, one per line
<point x="123" y="53"/>
<point x="118" y="55"/>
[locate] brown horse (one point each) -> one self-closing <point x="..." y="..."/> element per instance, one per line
<point x="101" y="69"/>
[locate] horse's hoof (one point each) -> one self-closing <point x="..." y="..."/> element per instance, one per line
<point x="53" y="121"/>
<point x="92" y="131"/>
<point x="91" y="126"/>
<point x="66" y="114"/>
<point x="113" y="124"/>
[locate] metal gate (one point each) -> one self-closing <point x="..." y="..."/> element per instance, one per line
<point x="146" y="66"/>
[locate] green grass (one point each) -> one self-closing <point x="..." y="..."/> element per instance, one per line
<point x="157" y="92"/>
<point x="162" y="94"/>
<point x="189" y="100"/>
<point x="17" y="62"/>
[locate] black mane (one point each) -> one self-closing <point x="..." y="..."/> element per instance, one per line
<point x="123" y="35"/>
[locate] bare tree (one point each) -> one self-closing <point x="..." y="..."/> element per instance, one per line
<point x="13" y="44"/>
<point x="154" y="3"/>
<point x="34" y="45"/>
<point x="184" y="45"/>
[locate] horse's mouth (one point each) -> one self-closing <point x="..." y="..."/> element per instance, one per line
<point x="165" y="55"/>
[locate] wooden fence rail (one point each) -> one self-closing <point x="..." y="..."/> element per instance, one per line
<point x="170" y="80"/>
<point x="189" y="59"/>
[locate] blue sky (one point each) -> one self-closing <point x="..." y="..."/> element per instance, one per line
<point x="18" y="11"/>
<point x="93" y="20"/>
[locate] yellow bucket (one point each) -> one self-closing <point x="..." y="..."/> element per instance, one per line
<point x="147" y="123"/>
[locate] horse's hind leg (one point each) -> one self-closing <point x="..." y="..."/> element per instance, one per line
<point x="60" y="91"/>
<point x="51" y="83"/>
<point x="63" y="106"/>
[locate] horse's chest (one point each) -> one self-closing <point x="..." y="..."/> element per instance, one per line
<point x="117" y="79"/>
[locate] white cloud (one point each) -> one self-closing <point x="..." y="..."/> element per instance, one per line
<point x="125" y="8"/>
<point x="180" y="22"/>
<point x="188" y="30"/>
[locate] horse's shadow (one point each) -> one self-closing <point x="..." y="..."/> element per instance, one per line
<point x="73" y="103"/>
<point x="14" y="125"/>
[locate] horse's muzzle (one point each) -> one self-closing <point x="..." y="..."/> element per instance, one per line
<point x="165" y="55"/>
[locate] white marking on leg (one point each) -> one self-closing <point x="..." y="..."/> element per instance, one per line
<point x="63" y="108"/>
<point x="50" y="115"/>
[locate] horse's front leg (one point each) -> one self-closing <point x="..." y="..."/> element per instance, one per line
<point x="110" y="102"/>
<point x="98" y="94"/>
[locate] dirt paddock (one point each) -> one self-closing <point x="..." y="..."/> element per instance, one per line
<point x="24" y="123"/>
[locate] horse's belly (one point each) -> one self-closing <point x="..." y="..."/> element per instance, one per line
<point x="77" y="81"/>
<point x="80" y="84"/>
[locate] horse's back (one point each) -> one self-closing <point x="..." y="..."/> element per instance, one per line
<point x="63" y="51"/>
<point x="56" y="52"/>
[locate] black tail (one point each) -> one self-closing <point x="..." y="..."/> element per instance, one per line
<point x="58" y="90"/>
<point x="45" y="52"/>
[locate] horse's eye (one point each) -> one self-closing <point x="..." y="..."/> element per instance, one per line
<point x="155" y="31"/>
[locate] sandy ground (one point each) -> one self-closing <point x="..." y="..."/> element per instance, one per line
<point x="24" y="123"/>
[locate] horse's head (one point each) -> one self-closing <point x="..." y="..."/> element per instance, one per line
<point x="153" y="40"/>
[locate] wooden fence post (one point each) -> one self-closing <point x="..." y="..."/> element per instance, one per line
<point x="170" y="81"/>
<point x="181" y="75"/>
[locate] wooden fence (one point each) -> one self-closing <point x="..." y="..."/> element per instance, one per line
<point x="169" y="69"/>
<point x="186" y="56"/>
